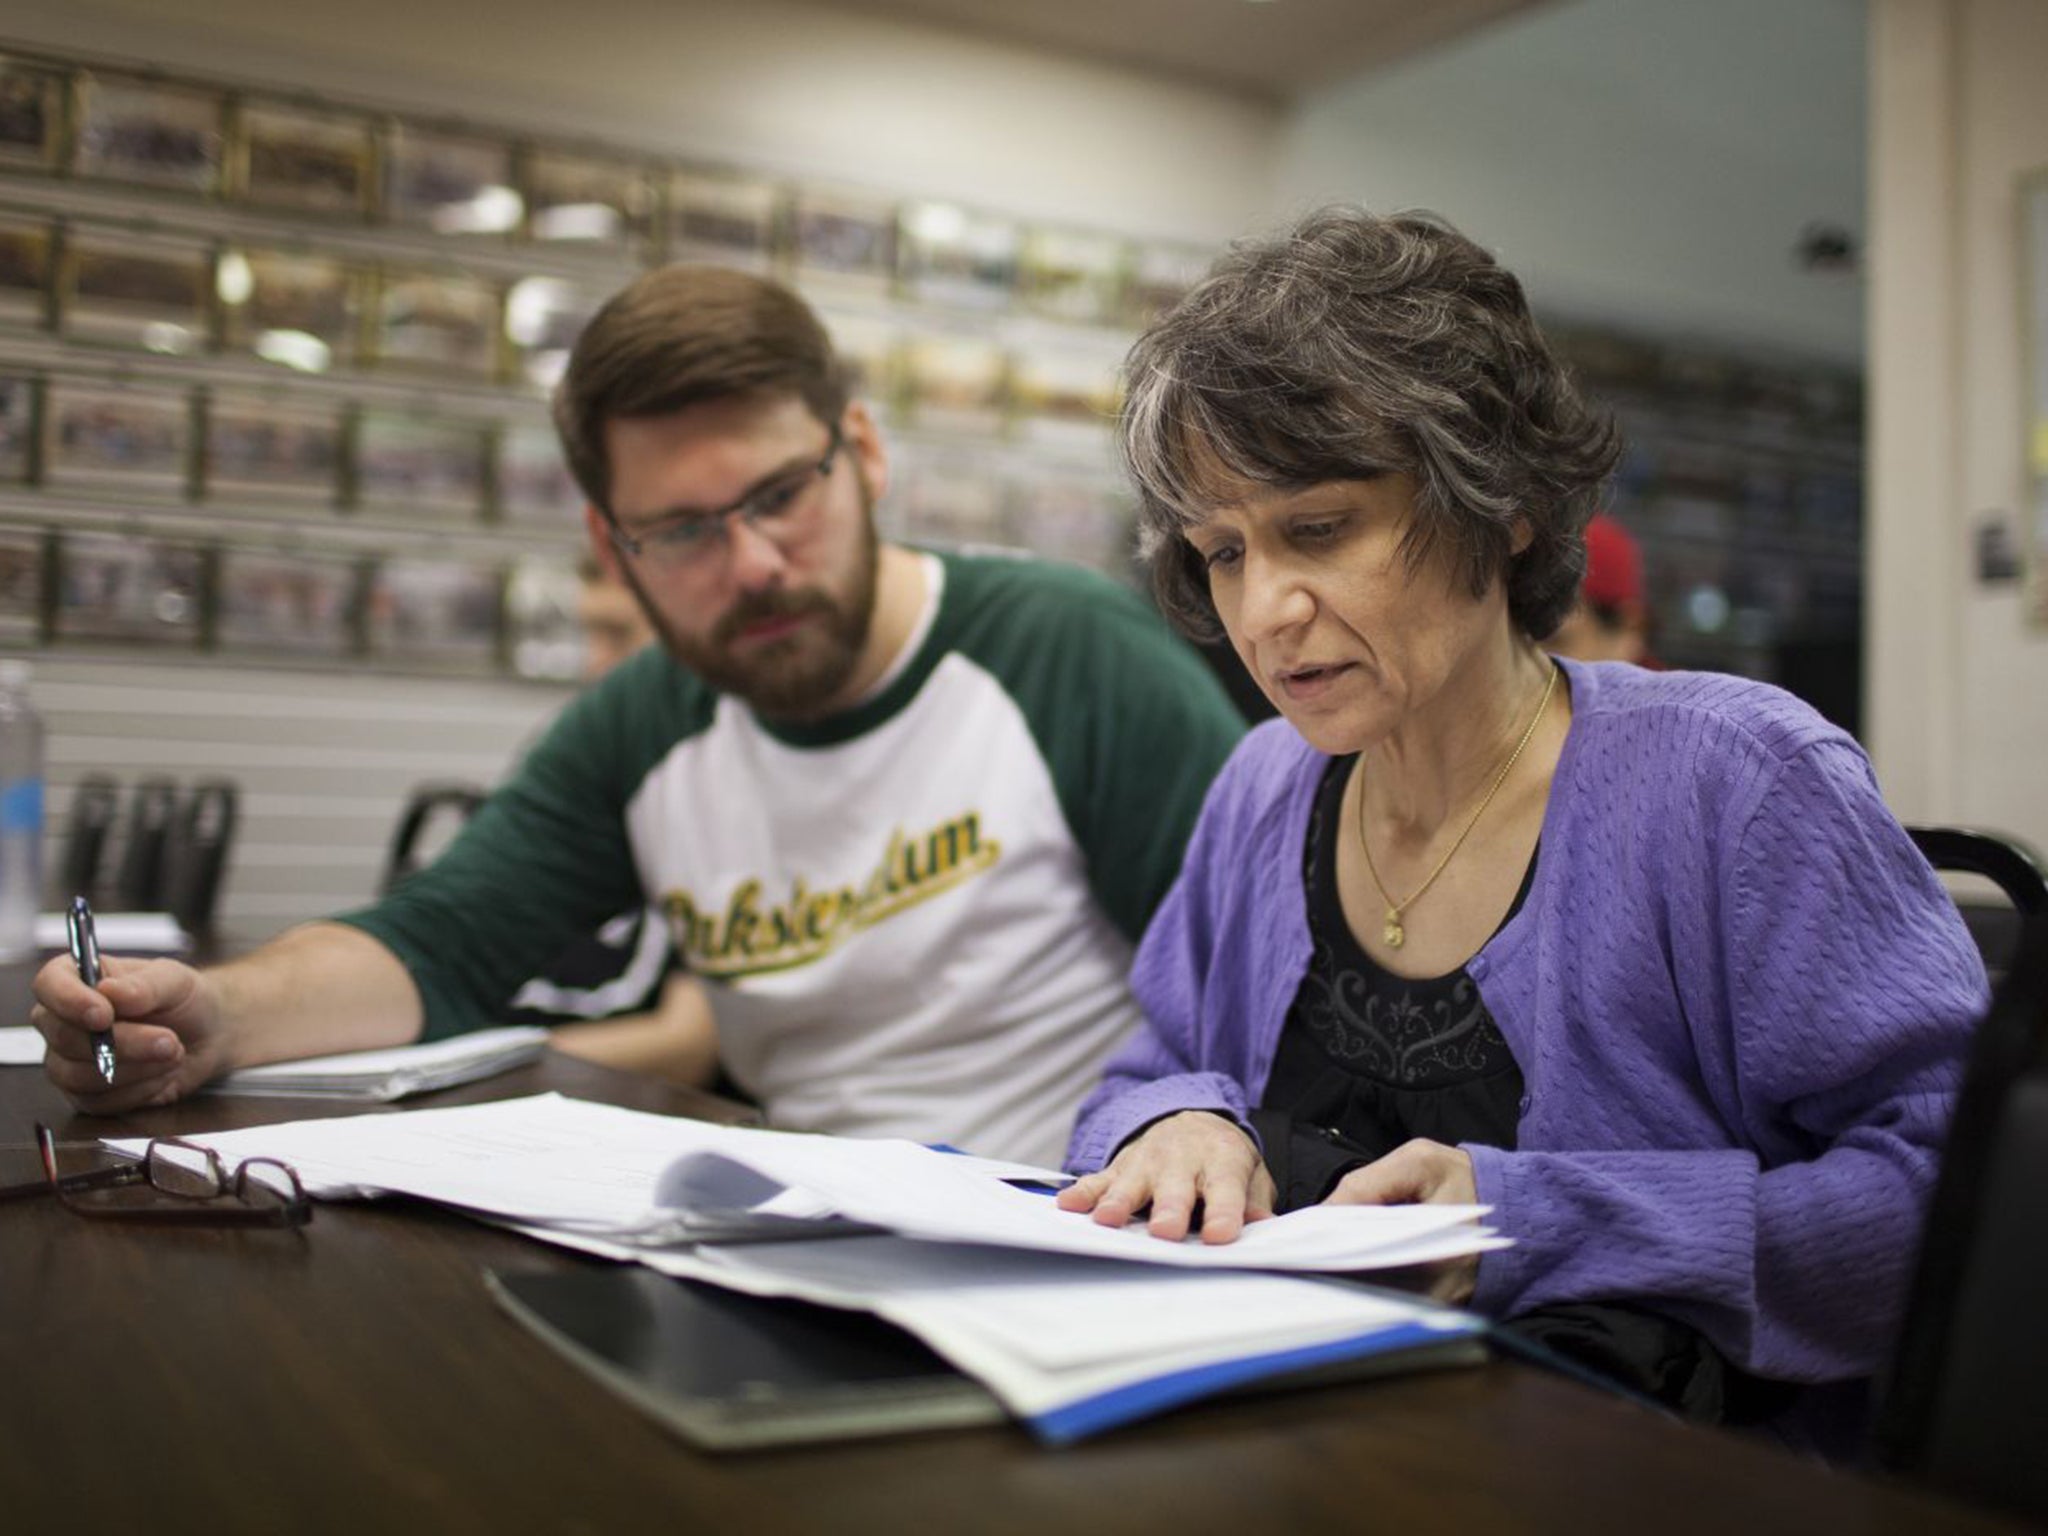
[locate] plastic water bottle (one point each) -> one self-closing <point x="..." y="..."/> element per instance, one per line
<point x="21" y="813"/>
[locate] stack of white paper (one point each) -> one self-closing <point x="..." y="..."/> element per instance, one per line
<point x="1074" y="1326"/>
<point x="381" y="1076"/>
<point x="119" y="933"/>
<point x="20" y="1046"/>
<point x="600" y="1171"/>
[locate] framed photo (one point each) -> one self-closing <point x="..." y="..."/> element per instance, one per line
<point x="435" y="613"/>
<point x="843" y="239"/>
<point x="27" y="263"/>
<point x="149" y="131"/>
<point x="870" y="349"/>
<point x="146" y="292"/>
<point x="1161" y="276"/>
<point x="31" y="115"/>
<point x="590" y="199"/>
<point x="1067" y="392"/>
<point x="419" y="466"/>
<point x="274" y="603"/>
<point x="438" y="321"/>
<point x="130" y="438"/>
<point x="535" y="487"/>
<point x="312" y="162"/>
<point x="955" y="384"/>
<point x="21" y="586"/>
<point x="260" y="445"/>
<point x="450" y="184"/>
<point x="952" y="255"/>
<point x="951" y="499"/>
<point x="1074" y="276"/>
<point x="544" y="638"/>
<point x="113" y="586"/>
<point x="543" y="318"/>
<point x="295" y="310"/>
<point x="730" y="220"/>
<point x="17" y="427"/>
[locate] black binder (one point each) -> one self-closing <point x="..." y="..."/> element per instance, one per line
<point x="733" y="1372"/>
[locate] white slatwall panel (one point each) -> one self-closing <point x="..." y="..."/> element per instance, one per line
<point x="325" y="761"/>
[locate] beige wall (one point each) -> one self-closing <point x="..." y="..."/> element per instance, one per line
<point x="1956" y="685"/>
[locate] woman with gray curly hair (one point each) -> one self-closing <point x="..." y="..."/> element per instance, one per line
<point x="1638" y="960"/>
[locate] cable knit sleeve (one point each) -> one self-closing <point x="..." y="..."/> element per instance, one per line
<point x="1208" y="1022"/>
<point x="1826" y="988"/>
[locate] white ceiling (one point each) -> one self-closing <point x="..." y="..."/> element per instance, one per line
<point x="1274" y="49"/>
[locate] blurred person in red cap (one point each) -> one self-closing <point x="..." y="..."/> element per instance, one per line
<point x="1610" y="621"/>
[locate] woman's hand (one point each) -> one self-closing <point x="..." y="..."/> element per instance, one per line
<point x="1420" y="1173"/>
<point x="1191" y="1157"/>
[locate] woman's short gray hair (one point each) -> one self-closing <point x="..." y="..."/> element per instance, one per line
<point x="1349" y="347"/>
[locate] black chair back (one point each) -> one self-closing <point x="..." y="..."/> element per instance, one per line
<point x="1968" y="1389"/>
<point x="139" y="883"/>
<point x="197" y="860"/>
<point x="2011" y="866"/>
<point x="94" y="805"/>
<point x="421" y="830"/>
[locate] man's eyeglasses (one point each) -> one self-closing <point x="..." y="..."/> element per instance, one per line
<point x="174" y="1180"/>
<point x="695" y="540"/>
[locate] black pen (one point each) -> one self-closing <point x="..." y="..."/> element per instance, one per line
<point x="85" y="954"/>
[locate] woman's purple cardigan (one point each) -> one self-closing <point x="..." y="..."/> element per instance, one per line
<point x="1739" y="998"/>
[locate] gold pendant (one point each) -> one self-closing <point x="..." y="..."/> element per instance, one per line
<point x="1393" y="933"/>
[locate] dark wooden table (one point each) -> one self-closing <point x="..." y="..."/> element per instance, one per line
<point x="354" y="1377"/>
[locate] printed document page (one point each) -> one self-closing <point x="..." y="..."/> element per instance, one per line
<point x="384" y="1075"/>
<point x="620" y="1173"/>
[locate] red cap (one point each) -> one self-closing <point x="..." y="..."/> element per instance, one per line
<point x="1614" y="565"/>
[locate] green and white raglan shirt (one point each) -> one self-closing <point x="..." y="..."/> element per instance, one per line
<point x="917" y="915"/>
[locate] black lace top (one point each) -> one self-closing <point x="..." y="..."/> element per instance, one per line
<point x="1368" y="1060"/>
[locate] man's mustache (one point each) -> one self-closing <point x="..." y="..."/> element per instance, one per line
<point x="760" y="606"/>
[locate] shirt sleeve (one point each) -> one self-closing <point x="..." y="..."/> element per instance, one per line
<point x="1163" y="727"/>
<point x="1132" y="725"/>
<point x="1175" y="1060"/>
<point x="1851" y="989"/>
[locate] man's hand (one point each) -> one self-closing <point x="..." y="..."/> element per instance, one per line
<point x="166" y="1024"/>
<point x="1420" y="1173"/>
<point x="1189" y="1157"/>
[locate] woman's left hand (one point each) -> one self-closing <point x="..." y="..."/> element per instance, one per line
<point x="1420" y="1173"/>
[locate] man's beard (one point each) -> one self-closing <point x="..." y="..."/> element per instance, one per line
<point x="794" y="677"/>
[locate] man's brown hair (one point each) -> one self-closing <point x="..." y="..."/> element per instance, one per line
<point x="679" y="336"/>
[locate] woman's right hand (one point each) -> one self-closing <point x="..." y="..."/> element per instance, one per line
<point x="1173" y="1164"/>
<point x="167" y="1032"/>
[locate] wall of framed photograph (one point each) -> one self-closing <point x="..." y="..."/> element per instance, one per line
<point x="274" y="368"/>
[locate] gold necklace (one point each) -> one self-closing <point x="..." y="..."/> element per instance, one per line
<point x="1394" y="934"/>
